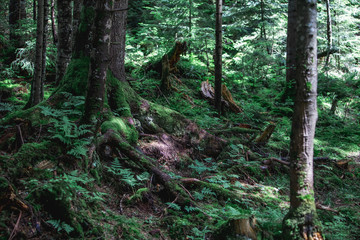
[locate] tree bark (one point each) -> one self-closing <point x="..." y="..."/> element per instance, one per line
<point x="83" y="38"/>
<point x="118" y="35"/>
<point x="17" y="12"/>
<point x="99" y="62"/>
<point x="218" y="56"/>
<point x="300" y="222"/>
<point x="53" y="24"/>
<point x="37" y="86"/>
<point x="291" y="52"/>
<point x="328" y="32"/>
<point x="34" y="10"/>
<point x="64" y="45"/>
<point x="76" y="19"/>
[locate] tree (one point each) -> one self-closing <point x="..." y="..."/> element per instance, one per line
<point x="118" y="35"/>
<point x="17" y="12"/>
<point x="300" y="222"/>
<point x="37" y="86"/>
<point x="99" y="62"/>
<point x="64" y="44"/>
<point x="290" y="52"/>
<point x="328" y="31"/>
<point x="218" y="56"/>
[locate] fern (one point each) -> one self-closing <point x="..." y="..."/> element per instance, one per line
<point x="173" y="206"/>
<point x="207" y="191"/>
<point x="6" y="107"/>
<point x="59" y="226"/>
<point x="125" y="174"/>
<point x="70" y="134"/>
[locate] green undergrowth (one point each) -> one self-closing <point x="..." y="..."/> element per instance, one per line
<point x="110" y="195"/>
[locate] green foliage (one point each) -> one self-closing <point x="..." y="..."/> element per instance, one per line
<point x="70" y="134"/>
<point x="60" y="226"/>
<point x="125" y="175"/>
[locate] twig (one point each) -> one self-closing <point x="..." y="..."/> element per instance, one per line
<point x="13" y="233"/>
<point x="280" y="161"/>
<point x="187" y="191"/>
<point x="163" y="95"/>
<point x="120" y="204"/>
<point x="21" y="137"/>
<point x="37" y="139"/>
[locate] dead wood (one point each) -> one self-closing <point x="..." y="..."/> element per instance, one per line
<point x="265" y="136"/>
<point x="322" y="207"/>
<point x="227" y="101"/>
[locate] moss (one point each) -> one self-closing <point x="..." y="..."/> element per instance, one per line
<point x="86" y="19"/>
<point x="122" y="126"/>
<point x="121" y="97"/>
<point x="76" y="77"/>
<point x="35" y="152"/>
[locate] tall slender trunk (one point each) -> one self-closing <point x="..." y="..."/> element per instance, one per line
<point x="301" y="221"/>
<point x="64" y="45"/>
<point x="218" y="56"/>
<point x="53" y="24"/>
<point x="17" y="12"/>
<point x="190" y="26"/>
<point x="34" y="10"/>
<point x="76" y="19"/>
<point x="100" y="59"/>
<point x="37" y="86"/>
<point x="290" y="52"/>
<point x="118" y="35"/>
<point x="328" y="32"/>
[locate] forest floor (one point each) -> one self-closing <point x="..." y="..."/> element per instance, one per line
<point x="46" y="194"/>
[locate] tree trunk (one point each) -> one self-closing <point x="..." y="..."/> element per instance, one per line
<point x="190" y="26"/>
<point x="37" y="86"/>
<point x="64" y="45"/>
<point x="14" y="17"/>
<point x="34" y="10"/>
<point x="17" y="12"/>
<point x="53" y="27"/>
<point x="76" y="19"/>
<point x="328" y="32"/>
<point x="99" y="62"/>
<point x="118" y="35"/>
<point x="218" y="56"/>
<point x="291" y="52"/>
<point x="82" y="46"/>
<point x="300" y="222"/>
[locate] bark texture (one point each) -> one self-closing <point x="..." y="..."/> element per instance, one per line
<point x="218" y="55"/>
<point x="83" y="38"/>
<point x="64" y="44"/>
<point x="37" y="86"/>
<point x="328" y="31"/>
<point x="76" y="19"/>
<point x="118" y="35"/>
<point x="300" y="222"/>
<point x="99" y="62"/>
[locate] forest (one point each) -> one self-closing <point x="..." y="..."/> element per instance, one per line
<point x="180" y="119"/>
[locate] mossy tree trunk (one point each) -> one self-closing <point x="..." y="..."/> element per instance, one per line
<point x="99" y="62"/>
<point x="64" y="44"/>
<point x="37" y="86"/>
<point x="300" y="222"/>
